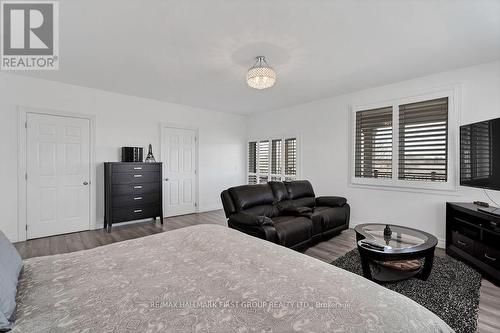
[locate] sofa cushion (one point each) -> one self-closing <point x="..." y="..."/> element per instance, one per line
<point x="250" y="220"/>
<point x="292" y="230"/>
<point x="279" y="190"/>
<point x="329" y="217"/>
<point x="10" y="267"/>
<point x="299" y="188"/>
<point x="247" y="196"/>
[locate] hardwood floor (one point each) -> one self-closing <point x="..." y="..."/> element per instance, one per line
<point x="489" y="305"/>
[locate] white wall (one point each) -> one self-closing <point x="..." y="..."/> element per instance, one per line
<point x="324" y="130"/>
<point x="120" y="121"/>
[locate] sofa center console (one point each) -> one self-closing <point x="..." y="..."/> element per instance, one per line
<point x="473" y="236"/>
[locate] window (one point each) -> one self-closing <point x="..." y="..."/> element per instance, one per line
<point x="403" y="144"/>
<point x="374" y="143"/>
<point x="272" y="160"/>
<point x="423" y="140"/>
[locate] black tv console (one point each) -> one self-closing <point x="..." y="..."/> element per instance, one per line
<point x="473" y="236"/>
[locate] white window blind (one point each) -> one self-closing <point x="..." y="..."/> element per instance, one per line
<point x="272" y="159"/>
<point x="263" y="161"/>
<point x="373" y="150"/>
<point x="252" y="162"/>
<point x="423" y="140"/>
<point x="276" y="159"/>
<point x="290" y="159"/>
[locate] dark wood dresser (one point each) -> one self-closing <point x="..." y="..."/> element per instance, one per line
<point x="473" y="236"/>
<point x="132" y="191"/>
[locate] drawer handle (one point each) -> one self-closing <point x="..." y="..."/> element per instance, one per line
<point x="137" y="176"/>
<point x="138" y="186"/>
<point x="462" y="243"/>
<point x="138" y="211"/>
<point x="490" y="258"/>
<point x="137" y="168"/>
<point x="138" y="198"/>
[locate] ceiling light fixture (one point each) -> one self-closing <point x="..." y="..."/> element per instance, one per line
<point x="261" y="75"/>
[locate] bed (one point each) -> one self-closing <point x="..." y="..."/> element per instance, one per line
<point x="206" y="278"/>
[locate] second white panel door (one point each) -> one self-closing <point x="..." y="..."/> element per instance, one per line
<point x="179" y="162"/>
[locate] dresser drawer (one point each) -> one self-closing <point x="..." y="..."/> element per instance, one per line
<point x="135" y="213"/>
<point x="134" y="167"/>
<point x="136" y="189"/>
<point x="488" y="255"/>
<point x="140" y="199"/>
<point x="462" y="242"/>
<point x="135" y="177"/>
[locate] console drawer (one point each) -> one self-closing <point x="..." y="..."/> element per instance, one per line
<point x="488" y="255"/>
<point x="136" y="167"/>
<point x="135" y="213"/>
<point x="135" y="177"/>
<point x="462" y="242"/>
<point x="131" y="200"/>
<point x="136" y="189"/>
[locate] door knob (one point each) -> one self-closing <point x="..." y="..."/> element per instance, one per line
<point x="167" y="179"/>
<point x="85" y="183"/>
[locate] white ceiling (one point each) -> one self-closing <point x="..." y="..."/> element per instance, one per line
<point x="197" y="52"/>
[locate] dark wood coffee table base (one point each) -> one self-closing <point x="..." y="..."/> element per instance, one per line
<point x="385" y="274"/>
<point x="370" y="256"/>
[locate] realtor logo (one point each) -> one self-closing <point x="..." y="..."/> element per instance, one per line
<point x="30" y="35"/>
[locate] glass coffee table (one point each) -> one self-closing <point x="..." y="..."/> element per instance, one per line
<point x="391" y="252"/>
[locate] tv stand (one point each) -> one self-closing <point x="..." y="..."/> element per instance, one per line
<point x="490" y="210"/>
<point x="473" y="236"/>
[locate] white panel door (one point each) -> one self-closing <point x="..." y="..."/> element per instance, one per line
<point x="58" y="174"/>
<point x="179" y="171"/>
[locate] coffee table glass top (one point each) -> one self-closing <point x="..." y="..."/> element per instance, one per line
<point x="400" y="237"/>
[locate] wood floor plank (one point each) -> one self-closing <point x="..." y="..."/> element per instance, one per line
<point x="328" y="251"/>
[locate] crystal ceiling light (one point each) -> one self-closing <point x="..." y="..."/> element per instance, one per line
<point x="261" y="75"/>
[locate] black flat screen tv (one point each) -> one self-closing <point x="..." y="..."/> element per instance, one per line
<point x="480" y="154"/>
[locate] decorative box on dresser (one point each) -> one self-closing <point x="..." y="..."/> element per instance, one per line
<point x="473" y="236"/>
<point x="132" y="191"/>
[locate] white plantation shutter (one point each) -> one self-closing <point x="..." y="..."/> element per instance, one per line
<point x="423" y="140"/>
<point x="373" y="147"/>
<point x="252" y="162"/>
<point x="272" y="159"/>
<point x="276" y="159"/>
<point x="263" y="161"/>
<point x="290" y="159"/>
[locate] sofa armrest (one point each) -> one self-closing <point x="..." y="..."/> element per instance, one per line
<point x="331" y="201"/>
<point x="245" y="219"/>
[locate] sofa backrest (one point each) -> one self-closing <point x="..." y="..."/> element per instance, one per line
<point x="262" y="199"/>
<point x="300" y="192"/>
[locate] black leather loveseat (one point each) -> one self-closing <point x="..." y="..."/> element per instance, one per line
<point x="286" y="213"/>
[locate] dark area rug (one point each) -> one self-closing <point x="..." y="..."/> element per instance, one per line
<point x="451" y="291"/>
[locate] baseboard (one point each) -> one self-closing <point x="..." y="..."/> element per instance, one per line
<point x="209" y="208"/>
<point x="441" y="243"/>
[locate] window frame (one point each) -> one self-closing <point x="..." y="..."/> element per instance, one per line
<point x="451" y="185"/>
<point x="257" y="160"/>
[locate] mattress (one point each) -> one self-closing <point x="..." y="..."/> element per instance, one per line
<point x="206" y="278"/>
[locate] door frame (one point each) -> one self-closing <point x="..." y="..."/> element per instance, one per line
<point x="22" y="194"/>
<point x="164" y="125"/>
